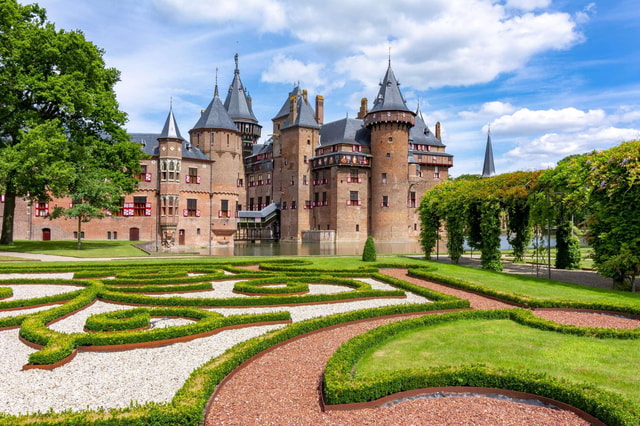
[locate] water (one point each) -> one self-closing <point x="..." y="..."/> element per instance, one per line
<point x="282" y="248"/>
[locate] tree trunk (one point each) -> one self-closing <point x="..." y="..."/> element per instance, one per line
<point x="6" y="238"/>
<point x="79" y="245"/>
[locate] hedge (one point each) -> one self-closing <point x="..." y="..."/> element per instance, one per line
<point x="341" y="388"/>
<point x="427" y="274"/>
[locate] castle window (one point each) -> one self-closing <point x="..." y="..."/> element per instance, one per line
<point x="251" y="203"/>
<point x="108" y="235"/>
<point x="325" y="202"/>
<point x="306" y="161"/>
<point x="412" y="199"/>
<point x="192" y="208"/>
<point x="384" y="178"/>
<point x="390" y="139"/>
<point x="268" y="200"/>
<point x="353" y="199"/>
<point x="304" y="180"/>
<point x="385" y="201"/>
<point x="260" y="205"/>
<point x="308" y="141"/>
<point x="388" y="155"/>
<point x="192" y="177"/>
<point x="139" y="206"/>
<point x="224" y="209"/>
<point x="293" y="204"/>
<point x="284" y="205"/>
<point x="357" y="228"/>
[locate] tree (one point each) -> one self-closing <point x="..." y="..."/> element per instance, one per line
<point x="568" y="247"/>
<point x="54" y="84"/>
<point x="369" y="252"/>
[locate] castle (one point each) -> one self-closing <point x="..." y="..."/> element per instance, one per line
<point x="309" y="181"/>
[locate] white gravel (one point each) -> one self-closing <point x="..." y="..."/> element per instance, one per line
<point x="115" y="379"/>
<point x="30" y="291"/>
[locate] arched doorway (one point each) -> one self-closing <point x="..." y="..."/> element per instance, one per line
<point x="181" y="237"/>
<point x="134" y="234"/>
<point x="46" y="234"/>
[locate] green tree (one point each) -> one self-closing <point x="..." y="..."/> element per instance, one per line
<point x="568" y="247"/>
<point x="54" y="83"/>
<point x="369" y="252"/>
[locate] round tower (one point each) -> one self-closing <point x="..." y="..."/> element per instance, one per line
<point x="389" y="122"/>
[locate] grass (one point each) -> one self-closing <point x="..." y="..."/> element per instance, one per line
<point x="537" y="288"/>
<point x="611" y="364"/>
<point x="68" y="248"/>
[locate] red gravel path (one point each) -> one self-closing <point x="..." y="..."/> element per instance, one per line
<point x="281" y="386"/>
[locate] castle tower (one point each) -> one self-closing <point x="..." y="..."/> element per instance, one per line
<point x="297" y="136"/>
<point x="238" y="105"/>
<point x="217" y="136"/>
<point x="488" y="169"/>
<point x="170" y="165"/>
<point x="389" y="122"/>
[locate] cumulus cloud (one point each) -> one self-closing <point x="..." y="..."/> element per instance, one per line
<point x="526" y="121"/>
<point x="265" y="15"/>
<point x="433" y="44"/>
<point x="552" y="147"/>
<point x="283" y="69"/>
<point x="490" y="110"/>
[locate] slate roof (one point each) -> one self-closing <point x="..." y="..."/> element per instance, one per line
<point x="305" y="116"/>
<point x="170" y="129"/>
<point x="284" y="111"/>
<point x="389" y="96"/>
<point x="420" y="133"/>
<point x="488" y="168"/>
<point x="149" y="142"/>
<point x="346" y="130"/>
<point x="236" y="103"/>
<point x="215" y="116"/>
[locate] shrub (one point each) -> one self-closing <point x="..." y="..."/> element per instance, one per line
<point x="568" y="245"/>
<point x="369" y="252"/>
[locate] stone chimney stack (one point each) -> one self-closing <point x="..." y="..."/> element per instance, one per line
<point x="364" y="110"/>
<point x="320" y="109"/>
<point x="438" y="131"/>
<point x="293" y="110"/>
<point x="304" y="96"/>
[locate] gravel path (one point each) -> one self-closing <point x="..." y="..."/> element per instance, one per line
<point x="281" y="386"/>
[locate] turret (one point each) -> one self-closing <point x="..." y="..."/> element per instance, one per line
<point x="389" y="122"/>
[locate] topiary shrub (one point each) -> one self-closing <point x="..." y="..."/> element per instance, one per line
<point x="369" y="252"/>
<point x="568" y="247"/>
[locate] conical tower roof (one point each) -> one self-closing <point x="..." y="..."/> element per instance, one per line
<point x="215" y="116"/>
<point x="170" y="129"/>
<point x="237" y="103"/>
<point x="420" y="132"/>
<point x="389" y="97"/>
<point x="488" y="168"/>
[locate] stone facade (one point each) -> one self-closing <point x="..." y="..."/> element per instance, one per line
<point x="312" y="180"/>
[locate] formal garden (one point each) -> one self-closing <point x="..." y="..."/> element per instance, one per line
<point x="150" y="341"/>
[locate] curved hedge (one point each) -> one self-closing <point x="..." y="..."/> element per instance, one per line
<point x="5" y="292"/>
<point x="340" y="387"/>
<point x="295" y="285"/>
<point x="119" y="320"/>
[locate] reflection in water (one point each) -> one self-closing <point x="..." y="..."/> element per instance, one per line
<point x="242" y="248"/>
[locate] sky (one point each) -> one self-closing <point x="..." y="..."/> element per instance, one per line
<point x="549" y="78"/>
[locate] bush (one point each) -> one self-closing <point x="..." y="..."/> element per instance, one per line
<point x="369" y="252"/>
<point x="568" y="245"/>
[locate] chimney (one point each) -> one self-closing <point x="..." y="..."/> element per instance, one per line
<point x="293" y="110"/>
<point x="249" y="101"/>
<point x="304" y="96"/>
<point x="438" y="131"/>
<point x="320" y="109"/>
<point x="364" y="110"/>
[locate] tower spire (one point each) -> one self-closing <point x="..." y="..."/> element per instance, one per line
<point x="488" y="168"/>
<point x="215" y="91"/>
<point x="237" y="70"/>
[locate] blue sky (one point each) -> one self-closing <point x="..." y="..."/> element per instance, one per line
<point x="550" y="77"/>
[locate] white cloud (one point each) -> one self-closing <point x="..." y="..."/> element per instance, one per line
<point x="526" y="121"/>
<point x="489" y="110"/>
<point x="552" y="147"/>
<point x="266" y="15"/>
<point x="528" y="5"/>
<point x="283" y="69"/>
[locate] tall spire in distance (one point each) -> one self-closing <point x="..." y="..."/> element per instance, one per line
<point x="215" y="91"/>
<point x="488" y="168"/>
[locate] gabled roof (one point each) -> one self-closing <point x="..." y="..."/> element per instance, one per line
<point x="389" y="96"/>
<point x="346" y="130"/>
<point x="149" y="142"/>
<point x="420" y="133"/>
<point x="488" y="168"/>
<point x="236" y="103"/>
<point x="284" y="111"/>
<point x="170" y="129"/>
<point x="215" y="116"/>
<point x="305" y="116"/>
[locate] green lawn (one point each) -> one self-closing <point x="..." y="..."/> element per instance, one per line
<point x="611" y="364"/>
<point x="68" y="248"/>
<point x="537" y="288"/>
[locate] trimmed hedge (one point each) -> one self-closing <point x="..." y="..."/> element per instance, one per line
<point x="160" y="288"/>
<point x="426" y="273"/>
<point x="341" y="388"/>
<point x="129" y="319"/>
<point x="5" y="292"/>
<point x="295" y="285"/>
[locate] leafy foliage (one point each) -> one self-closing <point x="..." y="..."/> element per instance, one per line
<point x="60" y="124"/>
<point x="369" y="251"/>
